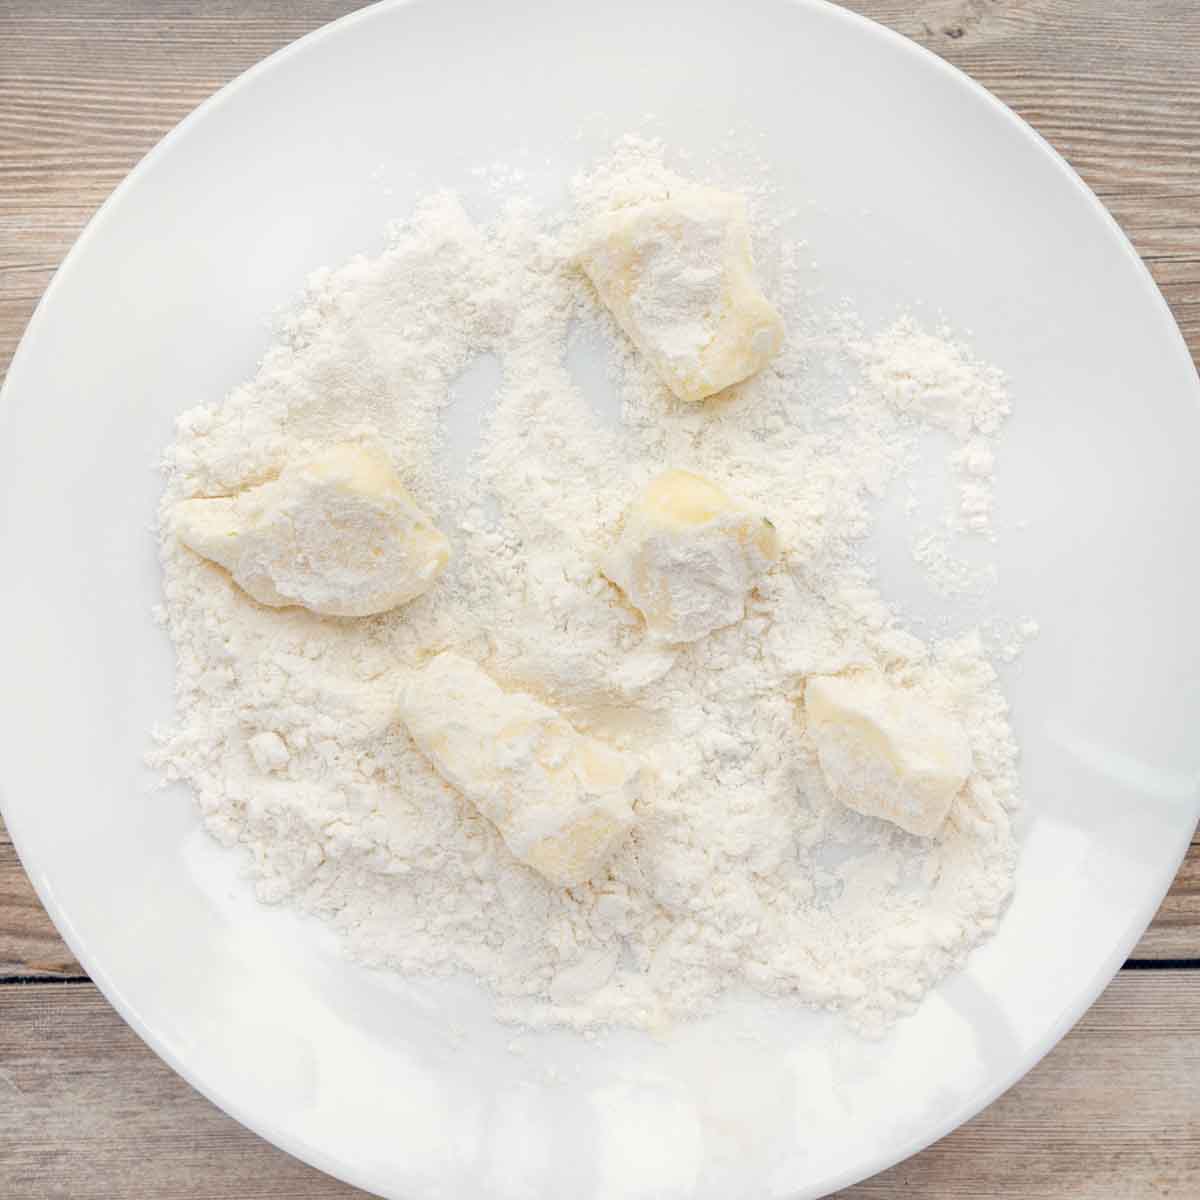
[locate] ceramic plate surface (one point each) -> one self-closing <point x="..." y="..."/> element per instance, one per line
<point x="911" y="183"/>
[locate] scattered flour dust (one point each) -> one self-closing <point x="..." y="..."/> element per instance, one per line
<point x="743" y="872"/>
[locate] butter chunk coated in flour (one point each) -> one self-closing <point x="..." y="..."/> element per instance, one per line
<point x="687" y="556"/>
<point x="885" y="752"/>
<point x="678" y="275"/>
<point x="562" y="801"/>
<point x="337" y="534"/>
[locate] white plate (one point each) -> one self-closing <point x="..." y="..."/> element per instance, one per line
<point x="409" y="1089"/>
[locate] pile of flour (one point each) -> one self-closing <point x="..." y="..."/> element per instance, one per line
<point x="742" y="871"/>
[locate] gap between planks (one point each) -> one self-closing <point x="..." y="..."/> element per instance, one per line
<point x="31" y="949"/>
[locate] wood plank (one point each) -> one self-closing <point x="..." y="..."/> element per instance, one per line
<point x="86" y="79"/>
<point x="86" y="1110"/>
<point x="87" y="88"/>
<point x="1175" y="931"/>
<point x="30" y="947"/>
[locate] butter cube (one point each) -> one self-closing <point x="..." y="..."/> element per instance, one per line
<point x="687" y="556"/>
<point x="678" y="276"/>
<point x="884" y="751"/>
<point x="337" y="534"/>
<point x="562" y="801"/>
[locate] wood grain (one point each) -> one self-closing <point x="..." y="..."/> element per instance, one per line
<point x="1175" y="931"/>
<point x="86" y="88"/>
<point x="30" y="947"/>
<point x="86" y="1109"/>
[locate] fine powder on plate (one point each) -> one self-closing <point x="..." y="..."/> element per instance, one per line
<point x="743" y="872"/>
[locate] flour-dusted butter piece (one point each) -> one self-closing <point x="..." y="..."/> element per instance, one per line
<point x="562" y="801"/>
<point x="688" y="555"/>
<point x="678" y="275"/>
<point x="337" y="533"/>
<point x="885" y="751"/>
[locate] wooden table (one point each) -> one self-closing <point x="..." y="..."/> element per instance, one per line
<point x="86" y="1110"/>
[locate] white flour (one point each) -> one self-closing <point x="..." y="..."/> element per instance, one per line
<point x="743" y="871"/>
<point x="940" y="383"/>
